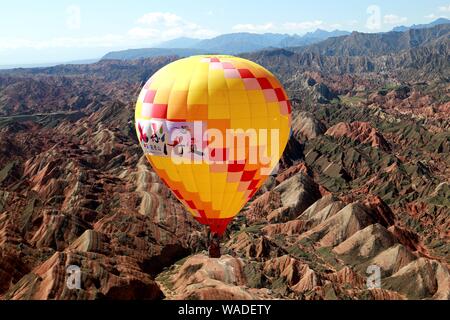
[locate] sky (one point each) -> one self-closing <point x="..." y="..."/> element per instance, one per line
<point x="44" y="31"/>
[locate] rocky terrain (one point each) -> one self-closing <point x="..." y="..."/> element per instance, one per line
<point x="364" y="181"/>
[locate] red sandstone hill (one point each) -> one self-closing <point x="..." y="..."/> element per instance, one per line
<point x="362" y="132"/>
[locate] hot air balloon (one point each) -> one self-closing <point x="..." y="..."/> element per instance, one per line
<point x="214" y="129"/>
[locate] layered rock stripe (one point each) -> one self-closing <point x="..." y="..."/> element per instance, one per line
<point x="222" y="92"/>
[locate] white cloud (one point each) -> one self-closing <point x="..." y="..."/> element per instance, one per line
<point x="444" y="8"/>
<point x="162" y="26"/>
<point x="73" y="21"/>
<point x="336" y="26"/>
<point x="303" y="26"/>
<point x="160" y="18"/>
<point x="254" y="27"/>
<point x="288" y="27"/>
<point x="108" y="40"/>
<point x="143" y="33"/>
<point x="394" y="19"/>
<point x="153" y="27"/>
<point x="441" y="13"/>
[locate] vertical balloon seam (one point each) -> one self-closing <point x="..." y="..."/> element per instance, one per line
<point x="196" y="191"/>
<point x="245" y="131"/>
<point x="212" y="174"/>
<point x="206" y="138"/>
<point x="191" y="211"/>
<point x="266" y="126"/>
<point x="266" y="122"/>
<point x="226" y="207"/>
<point x="225" y="147"/>
<point x="257" y="136"/>
<point x="174" y="166"/>
<point x="270" y="121"/>
<point x="197" y="66"/>
<point x="229" y="206"/>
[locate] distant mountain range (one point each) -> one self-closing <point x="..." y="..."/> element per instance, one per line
<point x="237" y="43"/>
<point x="409" y="55"/>
<point x="233" y="43"/>
<point x="182" y="42"/>
<point x="422" y="26"/>
<point x="247" y="42"/>
<point x="369" y="44"/>
<point x="45" y="65"/>
<point x="133" y="54"/>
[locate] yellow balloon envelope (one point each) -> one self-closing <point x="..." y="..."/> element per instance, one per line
<point x="213" y="129"/>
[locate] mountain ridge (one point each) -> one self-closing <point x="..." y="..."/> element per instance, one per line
<point x="233" y="43"/>
<point x="245" y="42"/>
<point x="422" y="26"/>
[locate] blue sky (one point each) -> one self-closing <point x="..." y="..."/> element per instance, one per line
<point x="55" y="31"/>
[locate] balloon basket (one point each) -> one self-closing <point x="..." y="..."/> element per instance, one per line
<point x="214" y="246"/>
